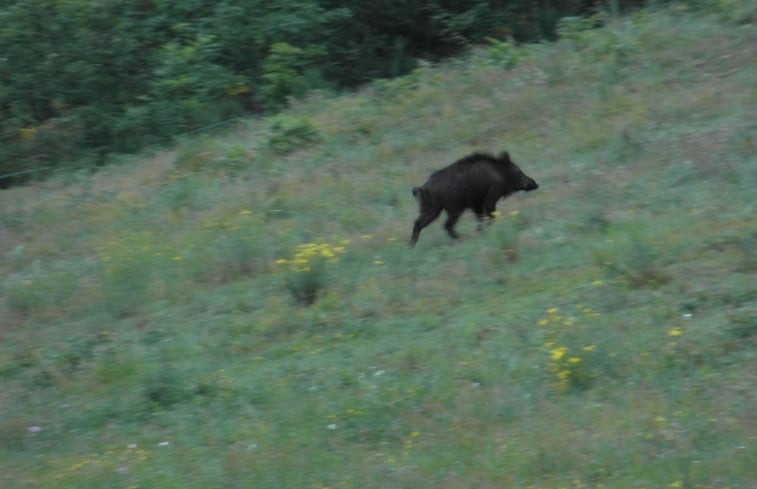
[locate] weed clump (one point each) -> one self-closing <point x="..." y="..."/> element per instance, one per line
<point x="127" y="266"/>
<point x="290" y="133"/>
<point x="164" y="388"/>
<point x="306" y="269"/>
<point x="638" y="263"/>
<point x="575" y="360"/>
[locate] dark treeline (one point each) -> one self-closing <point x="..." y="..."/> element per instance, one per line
<point x="84" y="77"/>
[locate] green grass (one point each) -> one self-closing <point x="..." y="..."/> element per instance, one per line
<point x="243" y="311"/>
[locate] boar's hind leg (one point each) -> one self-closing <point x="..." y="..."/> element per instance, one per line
<point x="427" y="217"/>
<point x="452" y="217"/>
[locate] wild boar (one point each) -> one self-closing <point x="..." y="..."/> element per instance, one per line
<point x="474" y="182"/>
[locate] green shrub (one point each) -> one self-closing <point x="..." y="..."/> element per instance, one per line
<point x="282" y="74"/>
<point x="637" y="261"/>
<point x="225" y="249"/>
<point x="164" y="387"/>
<point x="731" y="11"/>
<point x="237" y="158"/>
<point x="196" y="154"/>
<point x="240" y="252"/>
<point x="289" y="133"/>
<point x="38" y="290"/>
<point x="501" y="54"/>
<point x="593" y="43"/>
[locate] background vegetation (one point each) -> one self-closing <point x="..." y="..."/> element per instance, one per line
<point x="242" y="310"/>
<point x="82" y="79"/>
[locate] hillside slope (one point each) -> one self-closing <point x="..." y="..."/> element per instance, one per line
<point x="243" y="311"/>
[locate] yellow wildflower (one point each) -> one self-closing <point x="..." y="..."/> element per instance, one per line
<point x="27" y="133"/>
<point x="558" y="352"/>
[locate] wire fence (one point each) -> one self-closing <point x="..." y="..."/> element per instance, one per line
<point x="33" y="170"/>
<point x="185" y="133"/>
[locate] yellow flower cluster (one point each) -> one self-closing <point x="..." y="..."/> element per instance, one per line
<point x="307" y="254"/>
<point x="555" y="318"/>
<point x="409" y="442"/>
<point x="563" y="363"/>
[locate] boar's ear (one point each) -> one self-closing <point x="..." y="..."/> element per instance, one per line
<point x="504" y="157"/>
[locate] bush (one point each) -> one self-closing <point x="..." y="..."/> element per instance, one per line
<point x="282" y="74"/>
<point x="501" y="54"/>
<point x="290" y="133"/>
<point x="164" y="387"/>
<point x="38" y="291"/>
<point x="637" y="262"/>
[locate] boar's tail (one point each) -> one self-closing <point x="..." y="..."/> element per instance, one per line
<point x="420" y="193"/>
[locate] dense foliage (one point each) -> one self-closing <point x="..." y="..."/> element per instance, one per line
<point x="82" y="77"/>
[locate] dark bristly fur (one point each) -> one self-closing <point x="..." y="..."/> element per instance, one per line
<point x="474" y="182"/>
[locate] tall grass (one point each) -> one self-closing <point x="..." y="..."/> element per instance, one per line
<point x="243" y="311"/>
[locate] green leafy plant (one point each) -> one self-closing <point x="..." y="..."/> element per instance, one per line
<point x="502" y="54"/>
<point x="290" y="133"/>
<point x="282" y="74"/>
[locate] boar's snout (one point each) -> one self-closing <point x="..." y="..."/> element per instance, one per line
<point x="529" y="184"/>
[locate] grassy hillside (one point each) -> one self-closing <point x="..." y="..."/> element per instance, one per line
<point x="243" y="311"/>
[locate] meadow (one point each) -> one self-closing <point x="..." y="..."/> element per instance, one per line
<point x="242" y="310"/>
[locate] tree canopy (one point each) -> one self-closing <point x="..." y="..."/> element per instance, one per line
<point x="84" y="77"/>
